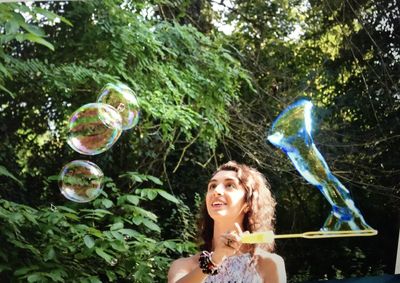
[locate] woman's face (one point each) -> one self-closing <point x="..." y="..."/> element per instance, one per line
<point x="226" y="197"/>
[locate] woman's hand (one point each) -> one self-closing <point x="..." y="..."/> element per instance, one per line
<point x="228" y="245"/>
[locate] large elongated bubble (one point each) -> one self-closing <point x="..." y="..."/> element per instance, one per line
<point x="81" y="181"/>
<point x="291" y="132"/>
<point x="122" y="98"/>
<point x="94" y="128"/>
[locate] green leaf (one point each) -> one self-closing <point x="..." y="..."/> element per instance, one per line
<point x="119" y="246"/>
<point x="117" y="226"/>
<point x="137" y="220"/>
<point x="155" y="180"/>
<point x="13" y="96"/>
<point x="146" y="213"/>
<point x="117" y="235"/>
<point x="72" y="216"/>
<point x="133" y="199"/>
<point x="168" y="196"/>
<point x="53" y="178"/>
<point x="50" y="254"/>
<point x="107" y="203"/>
<point x="37" y="39"/>
<point x="34" y="30"/>
<point x="5" y="172"/>
<point x="111" y="276"/>
<point x="100" y="252"/>
<point x="170" y="245"/>
<point x="95" y="232"/>
<point x="60" y="207"/>
<point x="36" y="277"/>
<point x="89" y="242"/>
<point x="30" y="217"/>
<point x="94" y="279"/>
<point x="25" y="270"/>
<point x="12" y="26"/>
<point x="151" y="225"/>
<point x="149" y="193"/>
<point x="4" y="69"/>
<point x="55" y="275"/>
<point x="97" y="212"/>
<point x="135" y="176"/>
<point x="129" y="232"/>
<point x="52" y="16"/>
<point x="4" y="267"/>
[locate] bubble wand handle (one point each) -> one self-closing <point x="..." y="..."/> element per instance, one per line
<point x="269" y="236"/>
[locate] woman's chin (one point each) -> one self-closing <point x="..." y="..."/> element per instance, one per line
<point x="217" y="213"/>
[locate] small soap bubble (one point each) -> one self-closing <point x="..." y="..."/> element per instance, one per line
<point x="124" y="100"/>
<point x="94" y="128"/>
<point x="81" y="181"/>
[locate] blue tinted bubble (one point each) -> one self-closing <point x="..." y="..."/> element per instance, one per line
<point x="291" y="132"/>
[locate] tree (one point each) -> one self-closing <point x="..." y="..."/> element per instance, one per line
<point x="183" y="80"/>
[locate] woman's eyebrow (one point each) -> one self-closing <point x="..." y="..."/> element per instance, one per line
<point x="226" y="179"/>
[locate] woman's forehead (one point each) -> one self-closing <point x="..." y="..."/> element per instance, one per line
<point x="224" y="175"/>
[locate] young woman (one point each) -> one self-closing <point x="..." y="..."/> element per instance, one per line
<point x="238" y="199"/>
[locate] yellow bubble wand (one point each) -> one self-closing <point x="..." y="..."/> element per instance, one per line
<point x="269" y="236"/>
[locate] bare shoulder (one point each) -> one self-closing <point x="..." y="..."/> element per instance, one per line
<point x="269" y="258"/>
<point x="182" y="266"/>
<point x="271" y="267"/>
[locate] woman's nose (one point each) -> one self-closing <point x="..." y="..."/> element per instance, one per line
<point x="219" y="190"/>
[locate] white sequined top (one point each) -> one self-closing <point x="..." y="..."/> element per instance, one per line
<point x="236" y="269"/>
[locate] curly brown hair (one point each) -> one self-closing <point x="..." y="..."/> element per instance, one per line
<point x="261" y="203"/>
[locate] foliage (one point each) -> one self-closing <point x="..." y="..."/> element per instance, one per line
<point x="183" y="79"/>
<point x="115" y="237"/>
<point x="16" y="28"/>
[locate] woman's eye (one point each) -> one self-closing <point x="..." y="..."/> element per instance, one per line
<point x="211" y="187"/>
<point x="231" y="186"/>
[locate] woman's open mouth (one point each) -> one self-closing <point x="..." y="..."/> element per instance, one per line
<point x="218" y="204"/>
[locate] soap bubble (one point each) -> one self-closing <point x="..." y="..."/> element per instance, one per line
<point x="81" y="181"/>
<point x="94" y="128"/>
<point x="292" y="133"/>
<point x="122" y="98"/>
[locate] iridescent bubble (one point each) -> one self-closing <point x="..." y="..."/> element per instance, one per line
<point x="122" y="98"/>
<point x="81" y="181"/>
<point x="292" y="133"/>
<point x="94" y="128"/>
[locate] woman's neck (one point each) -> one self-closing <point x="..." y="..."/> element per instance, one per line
<point x="221" y="228"/>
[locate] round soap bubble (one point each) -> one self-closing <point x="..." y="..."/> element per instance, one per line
<point x="94" y="128"/>
<point x="124" y="100"/>
<point x="81" y="181"/>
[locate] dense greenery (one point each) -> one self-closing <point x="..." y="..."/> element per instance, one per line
<point x="206" y="97"/>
